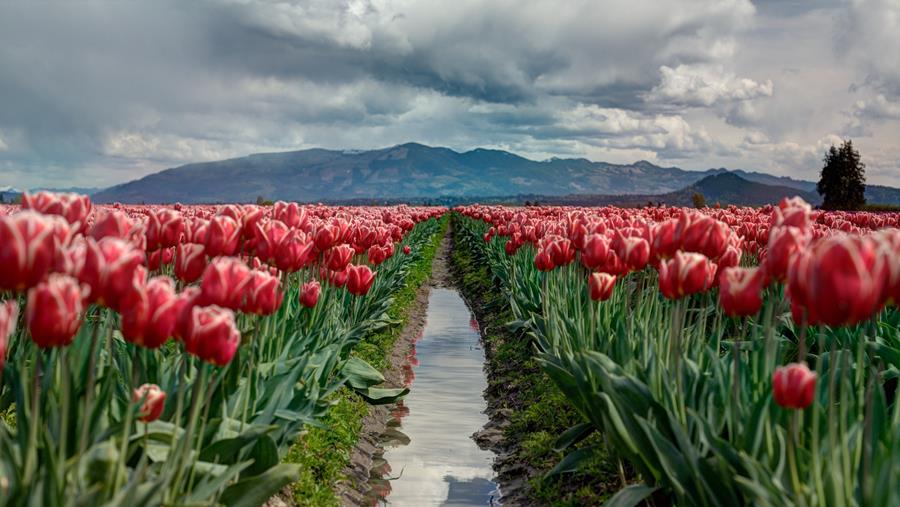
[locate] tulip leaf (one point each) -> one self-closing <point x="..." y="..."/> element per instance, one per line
<point x="255" y="491"/>
<point x="573" y="435"/>
<point x="574" y="461"/>
<point x="361" y="374"/>
<point x="382" y="396"/>
<point x="631" y="495"/>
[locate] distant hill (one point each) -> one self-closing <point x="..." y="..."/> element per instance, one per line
<point x="416" y="172"/>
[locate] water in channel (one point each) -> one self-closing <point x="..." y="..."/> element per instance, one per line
<point x="429" y="456"/>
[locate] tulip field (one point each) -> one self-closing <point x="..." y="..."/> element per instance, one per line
<point x="727" y="356"/>
<point x="158" y="355"/>
<point x="171" y="355"/>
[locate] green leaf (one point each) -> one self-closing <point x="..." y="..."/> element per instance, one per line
<point x="574" y="461"/>
<point x="254" y="491"/>
<point x="382" y="396"/>
<point x="631" y="495"/>
<point x="573" y="435"/>
<point x="361" y="374"/>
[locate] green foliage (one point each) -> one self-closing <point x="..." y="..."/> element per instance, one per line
<point x="323" y="452"/>
<point x="538" y="410"/>
<point x="664" y="384"/>
<point x="843" y="179"/>
<point x="69" y="433"/>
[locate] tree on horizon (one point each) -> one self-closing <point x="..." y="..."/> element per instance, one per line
<point x="843" y="180"/>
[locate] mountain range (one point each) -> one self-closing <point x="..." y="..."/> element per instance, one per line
<point x="416" y="172"/>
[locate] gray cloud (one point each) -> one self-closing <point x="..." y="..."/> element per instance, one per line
<point x="94" y="92"/>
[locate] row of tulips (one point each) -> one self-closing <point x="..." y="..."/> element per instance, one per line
<point x="732" y="356"/>
<point x="171" y="355"/>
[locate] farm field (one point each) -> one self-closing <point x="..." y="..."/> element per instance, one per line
<point x="235" y="354"/>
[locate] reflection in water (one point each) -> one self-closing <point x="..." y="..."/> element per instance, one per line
<point x="429" y="457"/>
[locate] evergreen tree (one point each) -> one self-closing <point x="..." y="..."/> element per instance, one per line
<point x="843" y="181"/>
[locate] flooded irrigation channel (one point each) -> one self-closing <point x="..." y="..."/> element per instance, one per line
<point x="427" y="454"/>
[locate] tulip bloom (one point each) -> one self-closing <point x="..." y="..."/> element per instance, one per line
<point x="109" y="267"/>
<point x="211" y="334"/>
<point x="338" y="257"/>
<point x="111" y="224"/>
<point x="794" y="386"/>
<point x="359" y="279"/>
<point x="154" y="401"/>
<point x="263" y="295"/>
<point x="54" y="311"/>
<point x="740" y="291"/>
<point x="600" y="286"/>
<point x="309" y="293"/>
<point x="224" y="282"/>
<point x="406" y="250"/>
<point x="28" y="250"/>
<point x="9" y="312"/>
<point x="685" y="274"/>
<point x="164" y="228"/>
<point x="634" y="252"/>
<point x="845" y="282"/>
<point x="326" y="236"/>
<point x="223" y="236"/>
<point x="543" y="261"/>
<point x="150" y="313"/>
<point x="190" y="261"/>
<point x="269" y="238"/>
<point x="293" y="252"/>
<point x="74" y="208"/>
<point x="595" y="251"/>
<point x="784" y="243"/>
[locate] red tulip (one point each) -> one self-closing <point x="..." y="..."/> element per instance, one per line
<point x="845" y="282"/>
<point x="109" y="268"/>
<point x="562" y="251"/>
<point x="707" y="236"/>
<point x="154" y="401"/>
<point x="335" y="278"/>
<point x="377" y="254"/>
<point x="74" y="208"/>
<point x="150" y="313"/>
<point x="595" y="251"/>
<point x="359" y="279"/>
<point x="784" y="242"/>
<point x="196" y="230"/>
<point x="269" y="238"/>
<point x="111" y="224"/>
<point x="9" y="312"/>
<point x="290" y="213"/>
<point x="543" y="261"/>
<point x="211" y="334"/>
<point x="224" y="282"/>
<point x="338" y="257"/>
<point x="190" y="261"/>
<point x="27" y="250"/>
<point x="406" y="250"/>
<point x="740" y="290"/>
<point x="793" y="212"/>
<point x="600" y="286"/>
<point x="794" y="386"/>
<point x="685" y="274"/>
<point x="309" y="293"/>
<point x="223" y="236"/>
<point x="326" y="236"/>
<point x="164" y="228"/>
<point x="263" y="295"/>
<point x="54" y="311"/>
<point x="634" y="252"/>
<point x="294" y="252"/>
<point x="183" y="306"/>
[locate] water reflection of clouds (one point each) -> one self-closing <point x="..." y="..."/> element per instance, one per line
<point x="442" y="465"/>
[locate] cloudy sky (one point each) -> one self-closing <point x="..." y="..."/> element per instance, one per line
<point x="96" y="93"/>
